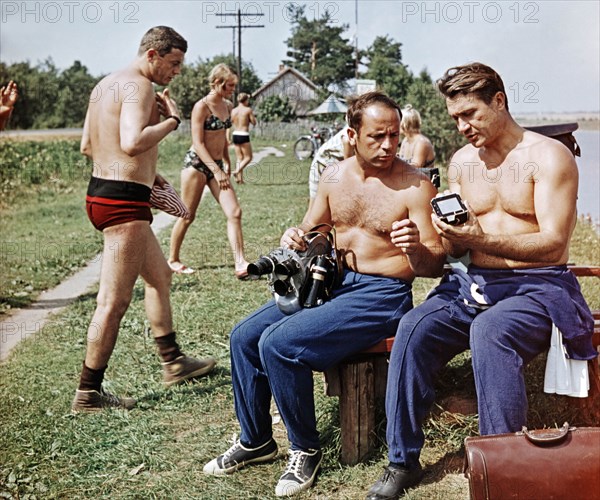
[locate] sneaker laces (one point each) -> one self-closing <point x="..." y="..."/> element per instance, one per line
<point x="232" y="449"/>
<point x="294" y="462"/>
<point x="111" y="398"/>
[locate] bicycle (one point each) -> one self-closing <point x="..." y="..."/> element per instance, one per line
<point x="306" y="146"/>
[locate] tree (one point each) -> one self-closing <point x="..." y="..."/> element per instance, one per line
<point x="384" y="61"/>
<point x="47" y="97"/>
<point x="275" y="109"/>
<point x="436" y="123"/>
<point x="192" y="84"/>
<point x="319" y="50"/>
<point x="75" y="85"/>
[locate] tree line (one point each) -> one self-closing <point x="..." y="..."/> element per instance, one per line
<point x="50" y="98"/>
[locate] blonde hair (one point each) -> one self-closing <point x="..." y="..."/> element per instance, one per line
<point x="219" y="75"/>
<point x="243" y="97"/>
<point x="411" y="119"/>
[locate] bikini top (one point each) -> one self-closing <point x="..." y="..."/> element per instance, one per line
<point x="428" y="163"/>
<point x="213" y="122"/>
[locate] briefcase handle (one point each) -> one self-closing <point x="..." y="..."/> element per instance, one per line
<point x="546" y="436"/>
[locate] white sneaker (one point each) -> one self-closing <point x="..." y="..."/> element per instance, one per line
<point x="300" y="472"/>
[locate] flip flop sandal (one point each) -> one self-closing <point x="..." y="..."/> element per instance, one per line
<point x="179" y="268"/>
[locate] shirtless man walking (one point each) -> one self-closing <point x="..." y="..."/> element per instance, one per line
<point x="121" y="134"/>
<point x="521" y="189"/>
<point x="380" y="210"/>
<point x="242" y="116"/>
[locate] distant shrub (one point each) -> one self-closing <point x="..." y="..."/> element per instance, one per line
<point x="57" y="164"/>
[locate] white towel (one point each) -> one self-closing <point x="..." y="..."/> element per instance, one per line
<point x="565" y="376"/>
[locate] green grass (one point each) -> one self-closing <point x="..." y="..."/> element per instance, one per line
<point x="158" y="449"/>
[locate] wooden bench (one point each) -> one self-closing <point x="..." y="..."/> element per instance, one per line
<point x="360" y="383"/>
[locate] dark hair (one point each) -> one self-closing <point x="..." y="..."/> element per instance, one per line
<point x="162" y="39"/>
<point x="363" y="101"/>
<point x="474" y="78"/>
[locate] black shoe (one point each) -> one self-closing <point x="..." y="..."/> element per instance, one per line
<point x="238" y="455"/>
<point x="300" y="472"/>
<point x="394" y="482"/>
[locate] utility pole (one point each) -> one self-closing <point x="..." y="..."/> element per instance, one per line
<point x="356" y="40"/>
<point x="239" y="27"/>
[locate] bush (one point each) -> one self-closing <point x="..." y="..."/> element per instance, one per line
<point x="275" y="109"/>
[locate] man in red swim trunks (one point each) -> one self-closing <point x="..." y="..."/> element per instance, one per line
<point x="121" y="133"/>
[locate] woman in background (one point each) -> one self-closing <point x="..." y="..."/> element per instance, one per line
<point x="207" y="163"/>
<point x="416" y="148"/>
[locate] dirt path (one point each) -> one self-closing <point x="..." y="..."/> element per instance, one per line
<point x="29" y="322"/>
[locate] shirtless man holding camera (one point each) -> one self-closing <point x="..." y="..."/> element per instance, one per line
<point x="379" y="207"/>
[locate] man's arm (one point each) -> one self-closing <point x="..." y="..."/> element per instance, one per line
<point x="252" y="118"/>
<point x="86" y="144"/>
<point x="416" y="237"/>
<point x="136" y="135"/>
<point x="554" y="199"/>
<point x="318" y="213"/>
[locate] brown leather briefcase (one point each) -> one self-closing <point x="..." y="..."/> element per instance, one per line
<point x="543" y="464"/>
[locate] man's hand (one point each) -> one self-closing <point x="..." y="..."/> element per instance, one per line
<point x="9" y="95"/>
<point x="292" y="239"/>
<point x="463" y="235"/>
<point x="160" y="180"/>
<point x="166" y="105"/>
<point x="405" y="236"/>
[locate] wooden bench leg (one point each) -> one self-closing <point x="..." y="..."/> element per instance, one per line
<point x="360" y="384"/>
<point x="357" y="410"/>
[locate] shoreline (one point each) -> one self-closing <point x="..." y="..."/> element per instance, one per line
<point x="585" y="120"/>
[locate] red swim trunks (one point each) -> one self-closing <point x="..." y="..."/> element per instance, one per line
<point x="109" y="203"/>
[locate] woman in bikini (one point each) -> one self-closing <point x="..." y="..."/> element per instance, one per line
<point x="416" y="148"/>
<point x="207" y="164"/>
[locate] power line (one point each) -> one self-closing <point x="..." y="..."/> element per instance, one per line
<point x="239" y="27"/>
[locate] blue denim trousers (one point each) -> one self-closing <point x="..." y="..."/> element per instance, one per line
<point x="502" y="339"/>
<point x="275" y="355"/>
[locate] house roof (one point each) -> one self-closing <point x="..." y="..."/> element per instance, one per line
<point x="280" y="75"/>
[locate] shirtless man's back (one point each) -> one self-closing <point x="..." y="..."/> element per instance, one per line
<point x="242" y="116"/>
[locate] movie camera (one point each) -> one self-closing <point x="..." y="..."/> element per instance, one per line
<point x="300" y="279"/>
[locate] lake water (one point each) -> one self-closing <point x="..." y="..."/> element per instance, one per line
<point x="588" y="202"/>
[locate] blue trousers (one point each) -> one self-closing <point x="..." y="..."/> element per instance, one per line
<point x="502" y="339"/>
<point x="274" y="355"/>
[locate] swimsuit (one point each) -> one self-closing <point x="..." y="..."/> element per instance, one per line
<point x="110" y="203"/>
<point x="427" y="163"/>
<point x="241" y="137"/>
<point x="213" y="122"/>
<point x="432" y="172"/>
<point x="191" y="159"/>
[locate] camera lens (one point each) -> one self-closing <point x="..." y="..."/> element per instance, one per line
<point x="264" y="265"/>
<point x="281" y="287"/>
<point x="286" y="268"/>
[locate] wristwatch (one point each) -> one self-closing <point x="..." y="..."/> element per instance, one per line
<point x="176" y="118"/>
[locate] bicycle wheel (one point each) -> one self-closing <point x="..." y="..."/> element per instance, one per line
<point x="304" y="148"/>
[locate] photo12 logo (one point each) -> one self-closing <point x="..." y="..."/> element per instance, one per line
<point x="471" y="12"/>
<point x="71" y="12"/>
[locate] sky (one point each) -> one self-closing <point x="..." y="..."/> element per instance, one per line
<point x="547" y="51"/>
